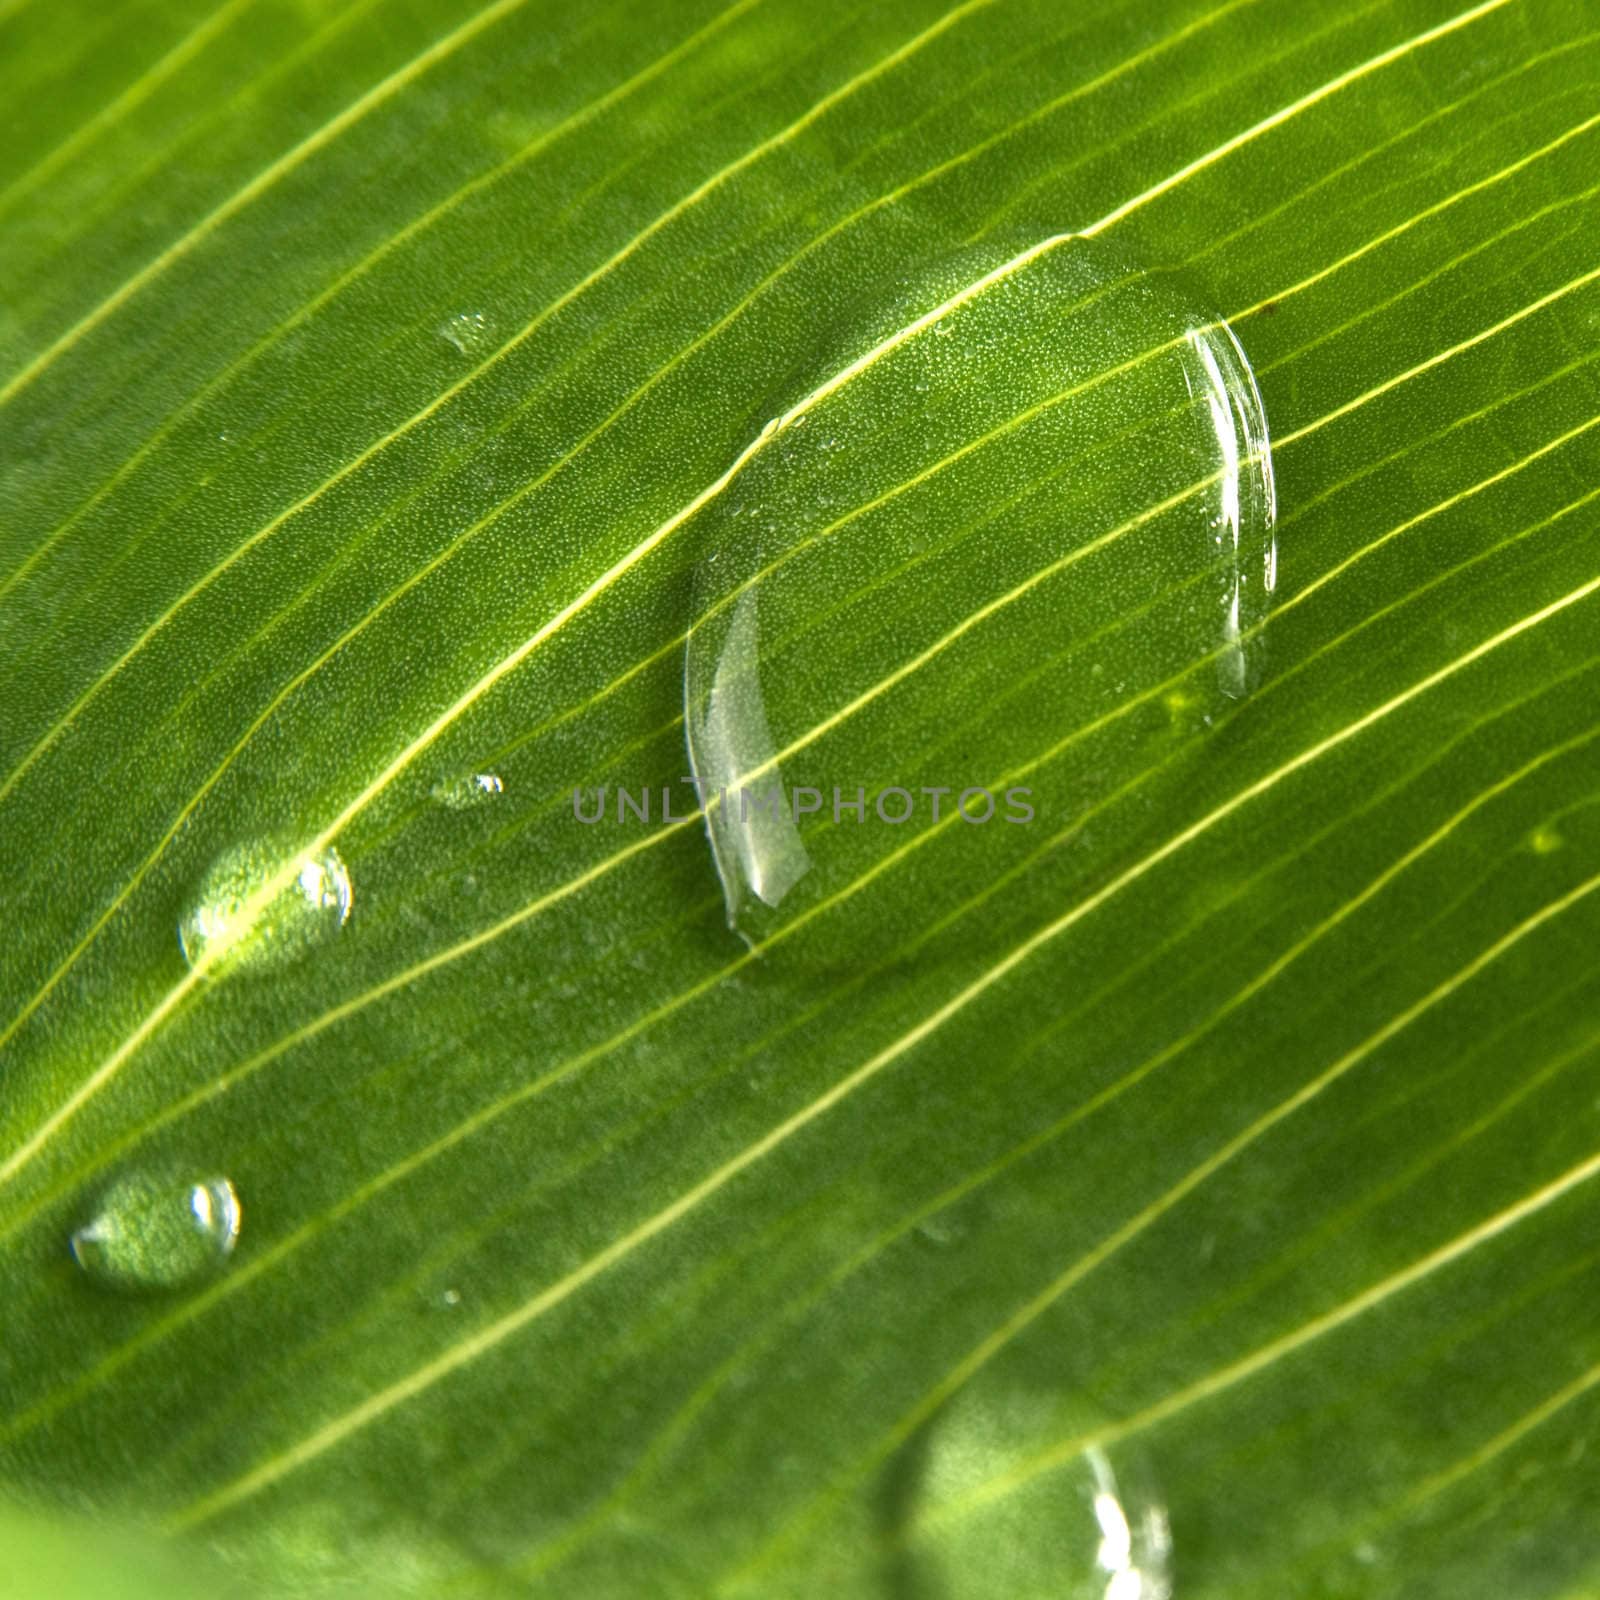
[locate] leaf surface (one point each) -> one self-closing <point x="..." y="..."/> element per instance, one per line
<point x="378" y="377"/>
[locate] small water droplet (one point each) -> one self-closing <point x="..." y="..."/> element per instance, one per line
<point x="227" y="924"/>
<point x="1025" y="557"/>
<point x="468" y="331"/>
<point x="1545" y="840"/>
<point x="465" y="790"/>
<point x="159" y="1230"/>
<point x="997" y="1500"/>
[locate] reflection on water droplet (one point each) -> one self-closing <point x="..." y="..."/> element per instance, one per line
<point x="468" y="331"/>
<point x="996" y="1500"/>
<point x="159" y="1231"/>
<point x="1246" y="501"/>
<point x="755" y="838"/>
<point x="1027" y="547"/>
<point x="468" y="789"/>
<point x="226" y="925"/>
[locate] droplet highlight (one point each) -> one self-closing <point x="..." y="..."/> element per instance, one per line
<point x="753" y="827"/>
<point x="1009" y="550"/>
<point x="232" y="922"/>
<point x="159" y="1230"/>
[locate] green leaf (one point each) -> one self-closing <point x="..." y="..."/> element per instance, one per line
<point x="407" y="1187"/>
<point x="88" y="1561"/>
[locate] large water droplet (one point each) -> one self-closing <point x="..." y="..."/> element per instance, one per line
<point x="1009" y="549"/>
<point x="159" y="1230"/>
<point x="229" y="924"/>
<point x="997" y="1501"/>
